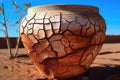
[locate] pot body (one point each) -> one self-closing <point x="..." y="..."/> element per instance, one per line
<point x="63" y="40"/>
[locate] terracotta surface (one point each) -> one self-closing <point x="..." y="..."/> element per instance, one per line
<point x="63" y="41"/>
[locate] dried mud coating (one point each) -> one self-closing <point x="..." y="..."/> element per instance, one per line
<point x="62" y="44"/>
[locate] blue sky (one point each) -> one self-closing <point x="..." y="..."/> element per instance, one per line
<point x="109" y="10"/>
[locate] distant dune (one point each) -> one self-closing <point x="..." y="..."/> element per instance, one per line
<point x="13" y="41"/>
<point x="109" y="39"/>
<point x="112" y="39"/>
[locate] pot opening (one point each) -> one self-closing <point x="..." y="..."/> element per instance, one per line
<point x="84" y="8"/>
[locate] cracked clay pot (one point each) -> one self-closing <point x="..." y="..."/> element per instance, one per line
<point x="62" y="40"/>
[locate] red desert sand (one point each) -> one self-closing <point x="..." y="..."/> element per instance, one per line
<point x="105" y="67"/>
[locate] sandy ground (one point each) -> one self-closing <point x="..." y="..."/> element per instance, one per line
<point x="105" y="67"/>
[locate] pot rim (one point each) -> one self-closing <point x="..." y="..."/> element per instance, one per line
<point x="69" y="7"/>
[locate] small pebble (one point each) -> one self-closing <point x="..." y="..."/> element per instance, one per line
<point x="5" y="67"/>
